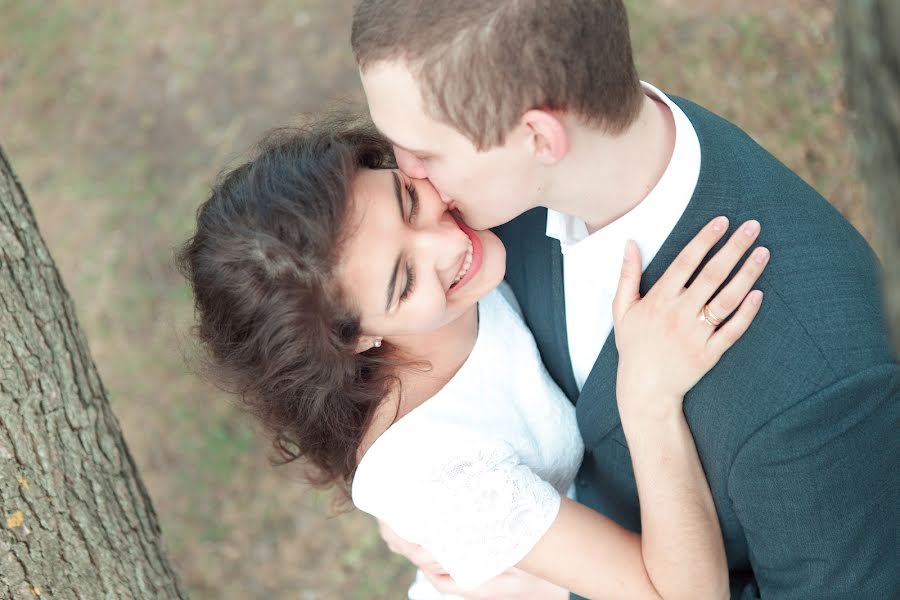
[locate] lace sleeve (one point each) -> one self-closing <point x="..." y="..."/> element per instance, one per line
<point x="470" y="502"/>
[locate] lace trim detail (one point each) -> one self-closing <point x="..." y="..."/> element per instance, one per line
<point x="486" y="512"/>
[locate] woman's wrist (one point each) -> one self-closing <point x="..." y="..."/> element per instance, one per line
<point x="649" y="409"/>
<point x="662" y="428"/>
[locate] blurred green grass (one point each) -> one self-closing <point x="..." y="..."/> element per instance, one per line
<point x="118" y="116"/>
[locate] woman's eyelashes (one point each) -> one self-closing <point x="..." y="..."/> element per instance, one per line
<point x="413" y="211"/>
<point x="410" y="282"/>
<point x="413" y="201"/>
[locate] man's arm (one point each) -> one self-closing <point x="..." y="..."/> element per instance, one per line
<point x="816" y="491"/>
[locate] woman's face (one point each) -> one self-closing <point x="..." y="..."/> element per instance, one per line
<point x="409" y="266"/>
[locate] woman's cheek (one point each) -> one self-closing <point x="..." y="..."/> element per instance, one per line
<point x="427" y="316"/>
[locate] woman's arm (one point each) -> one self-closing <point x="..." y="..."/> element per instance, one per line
<point x="680" y="545"/>
<point x="681" y="542"/>
<point x="667" y="341"/>
<point x="591" y="555"/>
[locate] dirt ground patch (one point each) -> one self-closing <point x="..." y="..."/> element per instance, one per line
<point x="118" y="115"/>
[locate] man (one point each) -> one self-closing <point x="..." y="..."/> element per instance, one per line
<point x="528" y="115"/>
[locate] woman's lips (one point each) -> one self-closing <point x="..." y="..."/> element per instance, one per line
<point x="477" y="255"/>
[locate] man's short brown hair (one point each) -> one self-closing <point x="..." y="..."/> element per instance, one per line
<point x="480" y="63"/>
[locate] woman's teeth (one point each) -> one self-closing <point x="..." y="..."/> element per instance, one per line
<point x="466" y="264"/>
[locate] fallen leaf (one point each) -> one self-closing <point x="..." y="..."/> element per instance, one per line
<point x="15" y="520"/>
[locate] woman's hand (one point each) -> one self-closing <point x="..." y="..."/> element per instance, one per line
<point x="669" y="339"/>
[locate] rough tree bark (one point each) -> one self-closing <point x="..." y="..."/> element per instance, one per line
<point x="75" y="518"/>
<point x="869" y="33"/>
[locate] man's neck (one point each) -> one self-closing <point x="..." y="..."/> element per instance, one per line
<point x="605" y="177"/>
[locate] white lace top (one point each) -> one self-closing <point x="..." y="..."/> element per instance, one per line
<point x="475" y="473"/>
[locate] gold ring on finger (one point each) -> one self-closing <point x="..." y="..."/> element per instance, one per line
<point x="710" y="317"/>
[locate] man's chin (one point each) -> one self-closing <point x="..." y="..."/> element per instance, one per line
<point x="460" y="216"/>
<point x="475" y="223"/>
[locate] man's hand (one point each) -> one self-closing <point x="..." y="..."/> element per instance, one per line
<point x="513" y="584"/>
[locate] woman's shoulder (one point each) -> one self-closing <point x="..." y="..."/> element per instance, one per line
<point x="417" y="447"/>
<point x="414" y="459"/>
<point x="382" y="419"/>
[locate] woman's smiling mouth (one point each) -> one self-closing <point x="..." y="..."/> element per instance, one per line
<point x="466" y="264"/>
<point x="472" y="262"/>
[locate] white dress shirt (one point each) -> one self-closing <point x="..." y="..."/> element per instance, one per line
<point x="592" y="263"/>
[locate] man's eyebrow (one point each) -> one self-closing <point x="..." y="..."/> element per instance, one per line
<point x="392" y="284"/>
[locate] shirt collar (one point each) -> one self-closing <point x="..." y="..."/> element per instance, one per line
<point x="651" y="221"/>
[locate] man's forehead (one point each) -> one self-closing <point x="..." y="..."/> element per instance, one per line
<point x="389" y="72"/>
<point x="395" y="102"/>
<point x="390" y="87"/>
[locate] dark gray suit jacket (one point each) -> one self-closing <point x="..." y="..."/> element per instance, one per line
<point x="797" y="426"/>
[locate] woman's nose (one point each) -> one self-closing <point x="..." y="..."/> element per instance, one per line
<point x="410" y="164"/>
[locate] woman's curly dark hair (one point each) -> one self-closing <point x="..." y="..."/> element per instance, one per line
<point x="276" y="328"/>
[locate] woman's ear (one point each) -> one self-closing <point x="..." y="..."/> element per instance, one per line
<point x="367" y="342"/>
<point x="547" y="137"/>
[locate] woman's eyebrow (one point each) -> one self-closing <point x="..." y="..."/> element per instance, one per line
<point x="392" y="284"/>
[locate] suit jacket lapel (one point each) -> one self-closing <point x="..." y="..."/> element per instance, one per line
<point x="535" y="272"/>
<point x="565" y="376"/>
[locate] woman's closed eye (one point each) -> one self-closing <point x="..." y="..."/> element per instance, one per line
<point x="413" y="201"/>
<point x="413" y="211"/>
<point x="410" y="283"/>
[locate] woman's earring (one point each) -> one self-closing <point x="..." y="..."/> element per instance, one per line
<point x="377" y="343"/>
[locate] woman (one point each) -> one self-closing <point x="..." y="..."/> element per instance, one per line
<point x="363" y="325"/>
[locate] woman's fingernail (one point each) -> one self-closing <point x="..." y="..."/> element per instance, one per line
<point x="626" y="255"/>
<point x="756" y="297"/>
<point x="761" y="255"/>
<point x="751" y="227"/>
<point x="720" y="223"/>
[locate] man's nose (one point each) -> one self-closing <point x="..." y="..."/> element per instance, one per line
<point x="410" y="164"/>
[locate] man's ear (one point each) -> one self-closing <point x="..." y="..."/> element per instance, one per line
<point x="547" y="137"/>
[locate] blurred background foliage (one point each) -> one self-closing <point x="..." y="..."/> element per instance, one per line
<point x="117" y="116"/>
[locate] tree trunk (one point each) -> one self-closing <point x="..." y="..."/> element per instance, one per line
<point x="75" y="519"/>
<point x="869" y="32"/>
